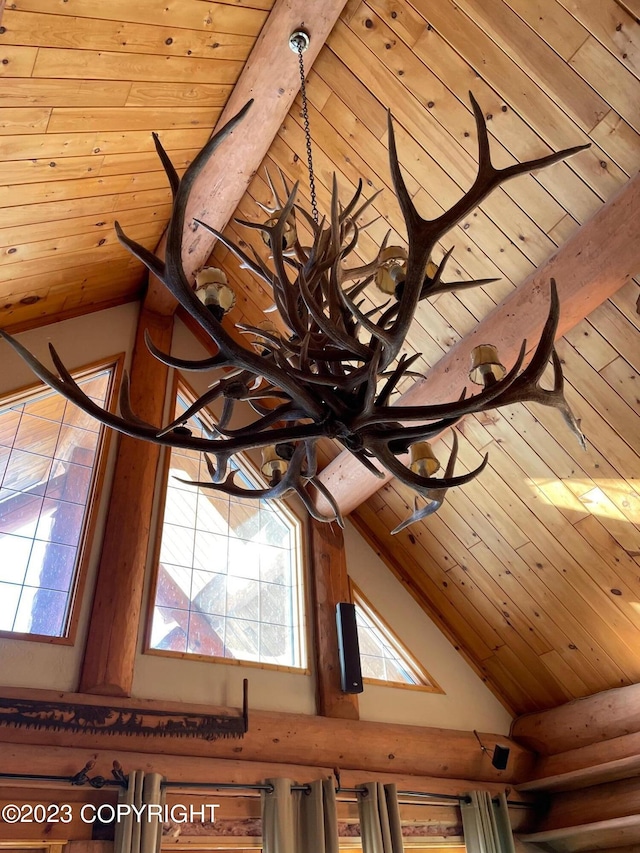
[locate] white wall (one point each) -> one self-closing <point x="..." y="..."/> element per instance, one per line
<point x="467" y="702"/>
<point x="80" y="341"/>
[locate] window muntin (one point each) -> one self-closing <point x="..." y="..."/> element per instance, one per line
<point x="49" y="453"/>
<point x="228" y="575"/>
<point x="383" y="657"/>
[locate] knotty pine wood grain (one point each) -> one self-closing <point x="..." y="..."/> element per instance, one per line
<point x="548" y="119"/>
<point x="52" y="37"/>
<point x="186" y="14"/>
<point x="110" y="65"/>
<point x="613" y="25"/>
<point x="50" y="30"/>
<point x="579" y="100"/>
<point x="82" y="144"/>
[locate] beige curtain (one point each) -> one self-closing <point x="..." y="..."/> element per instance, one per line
<point x="486" y="824"/>
<point x="299" y="822"/>
<point x="141" y="835"/>
<point x="380" y="826"/>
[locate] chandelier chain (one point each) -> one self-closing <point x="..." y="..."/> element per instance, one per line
<point x="307" y="132"/>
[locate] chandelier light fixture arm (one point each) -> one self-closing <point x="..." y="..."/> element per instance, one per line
<point x="434" y="497"/>
<point x="331" y="366"/>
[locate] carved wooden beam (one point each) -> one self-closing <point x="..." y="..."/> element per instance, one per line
<point x="271" y="77"/>
<point x="330" y="585"/>
<point x="591" y="266"/>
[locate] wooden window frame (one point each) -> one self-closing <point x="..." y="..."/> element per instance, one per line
<point x="297" y="530"/>
<point x="87" y="535"/>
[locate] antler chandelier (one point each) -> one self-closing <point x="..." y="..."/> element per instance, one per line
<point x="332" y="373"/>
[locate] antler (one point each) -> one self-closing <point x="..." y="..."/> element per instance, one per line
<point x="332" y="367"/>
<point x="423" y="234"/>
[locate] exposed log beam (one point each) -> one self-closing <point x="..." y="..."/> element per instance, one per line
<point x="330" y="585"/>
<point x="606" y="715"/>
<point x="296" y="739"/>
<point x="113" y="629"/>
<point x="591" y="266"/>
<point x="271" y="77"/>
<point x="57" y="760"/>
<point x="599" y="835"/>
<point x="606" y="761"/>
<point x="601" y="802"/>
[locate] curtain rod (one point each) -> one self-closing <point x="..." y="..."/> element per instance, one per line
<point x="81" y="778"/>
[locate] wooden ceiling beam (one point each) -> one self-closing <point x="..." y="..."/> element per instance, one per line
<point x="586" y="806"/>
<point x="271" y="77"/>
<point x="582" y="722"/>
<point x="592" y="836"/>
<point x="606" y="761"/>
<point x="589" y="268"/>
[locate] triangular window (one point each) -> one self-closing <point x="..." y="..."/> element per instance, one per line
<point x="228" y="581"/>
<point x="51" y="458"/>
<point x="383" y="656"/>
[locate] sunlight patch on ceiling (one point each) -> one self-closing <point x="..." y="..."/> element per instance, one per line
<point x="608" y="498"/>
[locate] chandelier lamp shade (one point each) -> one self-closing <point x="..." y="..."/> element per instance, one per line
<point x="328" y="368"/>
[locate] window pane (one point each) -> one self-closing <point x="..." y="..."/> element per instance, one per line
<point x="383" y="656"/>
<point x="27" y="472"/>
<point x="51" y="407"/>
<point x="47" y="454"/>
<point x="243" y="598"/>
<point x="372" y="667"/>
<point x="41" y="611"/>
<point x="9" y="598"/>
<point x="169" y="632"/>
<point x="16" y="550"/>
<point x="51" y="565"/>
<point x="69" y="482"/>
<point x="177" y="545"/>
<point x="230" y="564"/>
<point x="275" y="565"/>
<point x="19" y="513"/>
<point x="210" y="593"/>
<point x="206" y="635"/>
<point x="9" y="423"/>
<point x="37" y="435"/>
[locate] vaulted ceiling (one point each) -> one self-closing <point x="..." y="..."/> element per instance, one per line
<point x="533" y="570"/>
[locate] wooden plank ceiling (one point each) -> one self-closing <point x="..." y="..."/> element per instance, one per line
<point x="86" y="83"/>
<point x="532" y="570"/>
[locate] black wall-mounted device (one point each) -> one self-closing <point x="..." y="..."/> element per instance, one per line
<point x="348" y="648"/>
